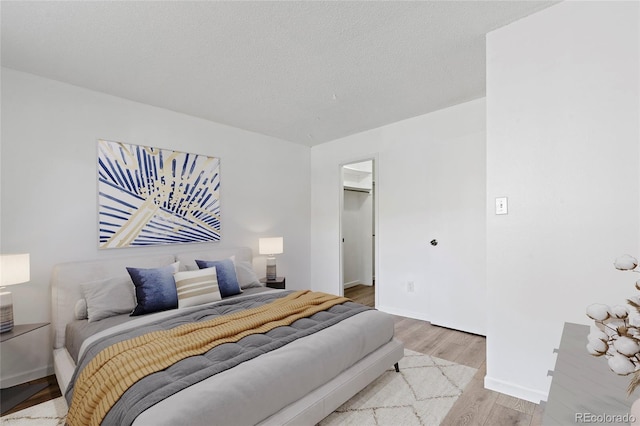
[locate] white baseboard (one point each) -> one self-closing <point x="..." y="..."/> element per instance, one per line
<point x="26" y="376"/>
<point x="351" y="284"/>
<point x="355" y="283"/>
<point x="402" y="313"/>
<point x="514" y="390"/>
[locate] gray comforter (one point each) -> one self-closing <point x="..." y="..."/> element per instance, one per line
<point x="159" y="386"/>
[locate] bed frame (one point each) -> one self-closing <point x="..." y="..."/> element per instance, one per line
<point x="309" y="409"/>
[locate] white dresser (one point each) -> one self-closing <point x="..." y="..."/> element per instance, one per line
<point x="583" y="388"/>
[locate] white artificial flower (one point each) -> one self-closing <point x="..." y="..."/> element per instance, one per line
<point x="598" y="334"/>
<point x="597" y="346"/>
<point x="626" y="346"/>
<point x="613" y="325"/>
<point x="615" y="334"/>
<point x="593" y="351"/>
<point x="621" y="365"/>
<point x="634" y="321"/>
<point x="619" y="311"/>
<point x="598" y="312"/>
<point x="625" y="262"/>
<point x="611" y="330"/>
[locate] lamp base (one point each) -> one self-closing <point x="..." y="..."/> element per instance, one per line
<point x="271" y="268"/>
<point x="6" y="312"/>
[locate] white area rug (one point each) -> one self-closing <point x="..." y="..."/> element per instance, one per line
<point x="50" y="413"/>
<point x="421" y="394"/>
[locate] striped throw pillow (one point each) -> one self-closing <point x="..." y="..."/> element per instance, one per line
<point x="197" y="287"/>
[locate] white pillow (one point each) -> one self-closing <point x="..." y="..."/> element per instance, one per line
<point x="197" y="287"/>
<point x="80" y="310"/>
<point x="108" y="297"/>
<point x="247" y="277"/>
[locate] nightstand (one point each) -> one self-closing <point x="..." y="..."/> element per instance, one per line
<point x="16" y="394"/>
<point x="277" y="283"/>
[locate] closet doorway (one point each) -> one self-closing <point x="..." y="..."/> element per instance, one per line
<point x="358" y="231"/>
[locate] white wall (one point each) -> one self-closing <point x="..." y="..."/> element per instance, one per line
<point x="430" y="183"/>
<point x="563" y="144"/>
<point x="49" y="201"/>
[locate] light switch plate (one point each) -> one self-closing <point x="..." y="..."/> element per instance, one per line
<point x="502" y="205"/>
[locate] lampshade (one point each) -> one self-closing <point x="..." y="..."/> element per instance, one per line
<point x="14" y="269"/>
<point x="270" y="245"/>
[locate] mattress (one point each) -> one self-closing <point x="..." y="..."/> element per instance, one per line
<point x="259" y="388"/>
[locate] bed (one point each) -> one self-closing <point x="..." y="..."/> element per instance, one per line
<point x="300" y="380"/>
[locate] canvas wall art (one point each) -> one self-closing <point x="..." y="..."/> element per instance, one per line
<point x="149" y="196"/>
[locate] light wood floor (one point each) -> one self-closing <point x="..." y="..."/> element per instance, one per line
<point x="476" y="406"/>
<point x="360" y="293"/>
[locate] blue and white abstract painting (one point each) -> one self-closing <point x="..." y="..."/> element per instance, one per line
<point x="149" y="196"/>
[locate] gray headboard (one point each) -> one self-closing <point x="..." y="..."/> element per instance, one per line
<point x="67" y="277"/>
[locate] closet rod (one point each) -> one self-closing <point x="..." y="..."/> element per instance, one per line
<point x="354" y="189"/>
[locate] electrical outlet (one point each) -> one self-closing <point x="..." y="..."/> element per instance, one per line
<point x="410" y="287"/>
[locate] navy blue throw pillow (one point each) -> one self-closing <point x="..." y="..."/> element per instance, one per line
<point x="155" y="289"/>
<point x="226" y="273"/>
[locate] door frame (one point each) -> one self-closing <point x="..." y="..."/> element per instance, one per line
<point x="376" y="214"/>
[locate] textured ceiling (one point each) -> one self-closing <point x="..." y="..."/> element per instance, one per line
<point x="306" y="72"/>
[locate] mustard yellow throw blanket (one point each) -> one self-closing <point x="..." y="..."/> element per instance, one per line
<point x="116" y="368"/>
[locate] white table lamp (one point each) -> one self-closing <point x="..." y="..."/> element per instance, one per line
<point x="270" y="247"/>
<point x="14" y="269"/>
